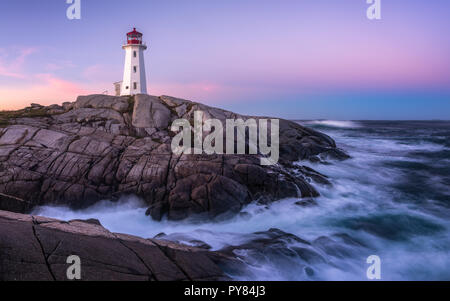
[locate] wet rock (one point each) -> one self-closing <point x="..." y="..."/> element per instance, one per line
<point x="309" y="271"/>
<point x="306" y="203"/>
<point x="183" y="238"/>
<point x="289" y="255"/>
<point x="340" y="245"/>
<point x="273" y="247"/>
<point x="273" y="239"/>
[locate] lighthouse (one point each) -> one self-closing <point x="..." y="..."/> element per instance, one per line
<point x="134" y="79"/>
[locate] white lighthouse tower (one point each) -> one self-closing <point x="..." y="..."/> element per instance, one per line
<point x="134" y="79"/>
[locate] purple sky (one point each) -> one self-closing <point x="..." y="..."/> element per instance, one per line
<point x="295" y="59"/>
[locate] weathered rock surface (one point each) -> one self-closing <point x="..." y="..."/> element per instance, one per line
<point x="289" y="256"/>
<point x="37" y="248"/>
<point x="101" y="147"/>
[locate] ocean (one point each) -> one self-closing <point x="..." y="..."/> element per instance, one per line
<point x="391" y="199"/>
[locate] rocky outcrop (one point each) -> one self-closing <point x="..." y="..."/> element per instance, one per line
<point x="102" y="147"/>
<point x="37" y="248"/>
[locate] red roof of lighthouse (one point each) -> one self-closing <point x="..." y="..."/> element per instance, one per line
<point x="134" y="32"/>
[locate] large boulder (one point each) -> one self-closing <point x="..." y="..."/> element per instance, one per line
<point x="99" y="101"/>
<point x="150" y="112"/>
<point x="101" y="147"/>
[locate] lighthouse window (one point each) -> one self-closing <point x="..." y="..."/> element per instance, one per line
<point x="134" y="69"/>
<point x="134" y="85"/>
<point x="134" y="53"/>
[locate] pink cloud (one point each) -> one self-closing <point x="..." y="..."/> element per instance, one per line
<point x="45" y="89"/>
<point x="7" y="63"/>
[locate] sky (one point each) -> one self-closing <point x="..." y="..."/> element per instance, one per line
<point x="296" y="59"/>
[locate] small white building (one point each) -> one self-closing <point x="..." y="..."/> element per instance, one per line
<point x="134" y="79"/>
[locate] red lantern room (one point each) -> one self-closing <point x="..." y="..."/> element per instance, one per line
<point x="134" y="37"/>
